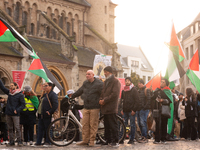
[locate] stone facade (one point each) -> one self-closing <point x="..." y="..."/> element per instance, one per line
<point x="65" y="24"/>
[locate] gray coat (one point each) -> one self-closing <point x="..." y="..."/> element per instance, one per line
<point x="90" y="93"/>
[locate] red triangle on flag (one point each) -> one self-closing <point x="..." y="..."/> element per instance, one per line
<point x="154" y="82"/>
<point x="194" y="63"/>
<point x="175" y="42"/>
<point x="3" y="28"/>
<point x="36" y="65"/>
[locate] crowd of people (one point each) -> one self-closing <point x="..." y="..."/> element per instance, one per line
<point x="168" y="109"/>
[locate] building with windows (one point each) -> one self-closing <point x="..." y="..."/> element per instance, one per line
<point x="133" y="59"/>
<point x="66" y="34"/>
<point x="190" y="40"/>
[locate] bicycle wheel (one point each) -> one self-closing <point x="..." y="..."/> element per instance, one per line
<point x="61" y="135"/>
<point x="121" y="129"/>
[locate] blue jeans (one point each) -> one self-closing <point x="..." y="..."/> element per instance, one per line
<point x="127" y="115"/>
<point x="142" y="121"/>
<point x="43" y="125"/>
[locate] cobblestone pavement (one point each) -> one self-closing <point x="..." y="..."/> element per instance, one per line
<point x="178" y="145"/>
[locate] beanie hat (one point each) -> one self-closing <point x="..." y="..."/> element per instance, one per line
<point x="128" y="78"/>
<point x="109" y="69"/>
<point x="70" y="92"/>
<point x="141" y="81"/>
<point x="27" y="88"/>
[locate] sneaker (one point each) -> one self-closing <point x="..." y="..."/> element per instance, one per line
<point x="156" y="142"/>
<point x="20" y="143"/>
<point x="143" y="140"/>
<point x="25" y="143"/>
<point x="82" y="143"/>
<point x="46" y="144"/>
<point x="35" y="145"/>
<point x="163" y="142"/>
<point x="130" y="142"/>
<point x="114" y="144"/>
<point x="4" y="142"/>
<point x="31" y="142"/>
<point x="10" y="144"/>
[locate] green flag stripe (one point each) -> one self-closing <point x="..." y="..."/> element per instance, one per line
<point x="40" y="73"/>
<point x="194" y="79"/>
<point x="7" y="37"/>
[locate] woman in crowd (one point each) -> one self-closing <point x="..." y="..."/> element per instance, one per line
<point x="48" y="105"/>
<point x="28" y="114"/>
<point x="190" y="113"/>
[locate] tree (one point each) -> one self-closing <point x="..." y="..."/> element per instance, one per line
<point x="135" y="78"/>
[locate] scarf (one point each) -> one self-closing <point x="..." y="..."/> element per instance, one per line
<point x="128" y="88"/>
<point x="13" y="92"/>
<point x="34" y="100"/>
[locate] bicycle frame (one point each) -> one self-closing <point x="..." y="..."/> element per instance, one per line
<point x="75" y="119"/>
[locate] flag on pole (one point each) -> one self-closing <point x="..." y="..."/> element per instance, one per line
<point x="38" y="68"/>
<point x="9" y="34"/>
<point x="154" y="82"/>
<point x="193" y="71"/>
<point x="174" y="69"/>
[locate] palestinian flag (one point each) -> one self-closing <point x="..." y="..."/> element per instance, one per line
<point x="154" y="82"/>
<point x="193" y="71"/>
<point x="38" y="68"/>
<point x="9" y="34"/>
<point x="174" y="69"/>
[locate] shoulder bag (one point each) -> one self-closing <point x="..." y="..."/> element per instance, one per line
<point x="56" y="113"/>
<point x="166" y="111"/>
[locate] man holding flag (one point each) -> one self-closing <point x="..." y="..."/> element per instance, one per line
<point x="161" y="96"/>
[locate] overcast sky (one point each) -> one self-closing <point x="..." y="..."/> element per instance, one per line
<point x="148" y="23"/>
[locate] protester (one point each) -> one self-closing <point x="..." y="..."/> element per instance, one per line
<point x="181" y="116"/>
<point x="109" y="106"/>
<point x="145" y="98"/>
<point x="161" y="96"/>
<point x="47" y="106"/>
<point x="198" y="111"/>
<point x="28" y="115"/>
<point x="130" y="101"/>
<point x="90" y="92"/>
<point x="3" y="125"/>
<point x="170" y="137"/>
<point x="64" y="106"/>
<point x="15" y="103"/>
<point x="190" y="113"/>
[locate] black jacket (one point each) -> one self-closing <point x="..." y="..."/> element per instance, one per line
<point x="145" y="99"/>
<point x="156" y="104"/>
<point x="14" y="102"/>
<point x="90" y="93"/>
<point x="190" y="107"/>
<point x="131" y="100"/>
<point x="46" y="106"/>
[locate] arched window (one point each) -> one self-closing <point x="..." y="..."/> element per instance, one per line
<point x="74" y="34"/>
<point x="9" y="11"/>
<point x="24" y="20"/>
<point x="53" y="30"/>
<point x="17" y="11"/>
<point x="32" y="29"/>
<point x="48" y="32"/>
<point x="68" y="28"/>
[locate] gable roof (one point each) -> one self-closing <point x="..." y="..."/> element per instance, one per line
<point x="80" y="2"/>
<point x="137" y="52"/>
<point x="7" y="49"/>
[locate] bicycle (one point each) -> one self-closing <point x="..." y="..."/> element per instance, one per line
<point x="63" y="131"/>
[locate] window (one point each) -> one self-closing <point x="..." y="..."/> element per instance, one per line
<point x="48" y="32"/>
<point x="144" y="79"/>
<point x="9" y="11"/>
<point x="105" y="27"/>
<point x="125" y="75"/>
<point x="196" y="27"/>
<point x="68" y="28"/>
<point x="105" y="9"/>
<point x="24" y="20"/>
<point x="32" y="28"/>
<point x="135" y="63"/>
<point x="186" y="53"/>
<point x="191" y="51"/>
<point x="149" y="78"/>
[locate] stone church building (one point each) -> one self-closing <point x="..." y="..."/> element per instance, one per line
<point x="66" y="34"/>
